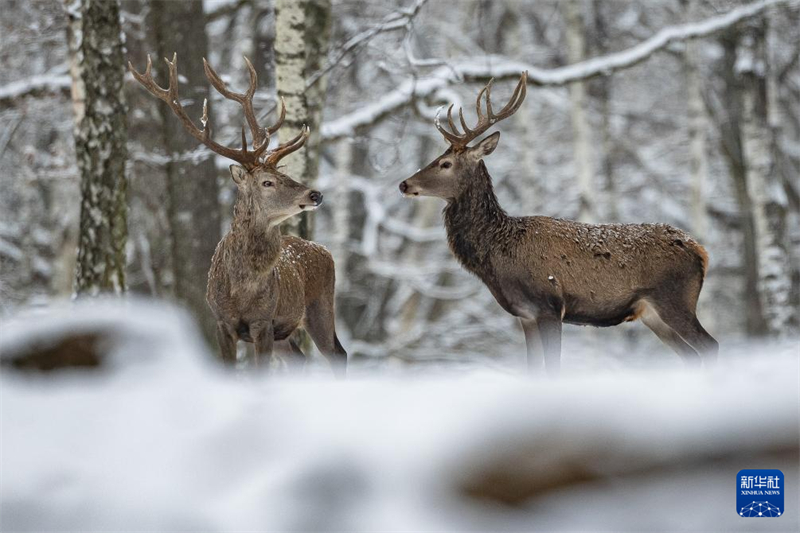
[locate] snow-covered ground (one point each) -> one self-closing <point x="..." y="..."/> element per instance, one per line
<point x="160" y="438"/>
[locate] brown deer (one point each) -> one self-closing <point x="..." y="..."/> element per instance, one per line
<point x="262" y="285"/>
<point x="548" y="271"/>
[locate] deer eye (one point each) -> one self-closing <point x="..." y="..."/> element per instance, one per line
<point x="446" y="164"/>
<point x="267" y="183"/>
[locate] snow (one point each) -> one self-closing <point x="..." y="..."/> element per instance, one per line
<point x="161" y="439"/>
<point x="499" y="67"/>
<point x="44" y="82"/>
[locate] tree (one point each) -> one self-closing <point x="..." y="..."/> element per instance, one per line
<point x="302" y="29"/>
<point x="729" y="123"/>
<point x="576" y="51"/>
<point x="96" y="66"/>
<point x="698" y="122"/>
<point x="764" y="186"/>
<point x="192" y="190"/>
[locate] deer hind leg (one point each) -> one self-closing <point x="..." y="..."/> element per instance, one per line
<point x="319" y="323"/>
<point x="227" y="344"/>
<point x="668" y="335"/>
<point x="683" y="321"/>
<point x="291" y="354"/>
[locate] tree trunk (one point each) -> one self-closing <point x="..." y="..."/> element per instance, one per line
<point x="603" y="93"/>
<point x="302" y="30"/>
<point x="96" y="66"/>
<point x="580" y="126"/>
<point x="763" y="182"/>
<point x="193" y="208"/>
<point x="731" y="139"/>
<point x="698" y="124"/>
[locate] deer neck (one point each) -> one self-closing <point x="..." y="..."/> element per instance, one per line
<point x="475" y="221"/>
<point x="258" y="242"/>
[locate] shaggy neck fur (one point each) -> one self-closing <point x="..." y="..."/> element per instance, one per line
<point x="258" y="242"/>
<point x="476" y="223"/>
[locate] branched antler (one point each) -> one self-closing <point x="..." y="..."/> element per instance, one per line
<point x="261" y="136"/>
<point x="460" y="140"/>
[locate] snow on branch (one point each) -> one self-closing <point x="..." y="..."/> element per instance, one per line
<point x="396" y="21"/>
<point x="43" y="83"/>
<point x="499" y="67"/>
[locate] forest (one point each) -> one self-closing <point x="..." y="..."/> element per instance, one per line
<point x="678" y="112"/>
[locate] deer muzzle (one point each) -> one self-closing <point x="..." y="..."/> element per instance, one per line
<point x="408" y="190"/>
<point x="315" y="200"/>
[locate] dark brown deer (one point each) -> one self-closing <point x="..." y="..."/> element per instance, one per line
<point x="549" y="271"/>
<point x="262" y="285"/>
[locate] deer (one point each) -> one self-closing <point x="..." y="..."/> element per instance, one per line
<point x="550" y="271"/>
<point x="262" y="285"/>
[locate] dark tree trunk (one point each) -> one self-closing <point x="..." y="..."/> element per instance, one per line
<point x="96" y="62"/>
<point x="731" y="138"/>
<point x="192" y="190"/>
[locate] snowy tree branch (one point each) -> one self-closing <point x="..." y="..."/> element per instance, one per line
<point x="498" y="67"/>
<point x="52" y="82"/>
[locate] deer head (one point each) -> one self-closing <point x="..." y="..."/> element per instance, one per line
<point x="449" y="173"/>
<point x="269" y="194"/>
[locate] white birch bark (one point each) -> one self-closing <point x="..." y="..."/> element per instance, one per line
<point x="763" y="184"/>
<point x="580" y="125"/>
<point x="290" y="65"/>
<point x="302" y="28"/>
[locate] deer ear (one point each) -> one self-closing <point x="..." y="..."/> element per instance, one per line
<point x="238" y="173"/>
<point x="485" y="147"/>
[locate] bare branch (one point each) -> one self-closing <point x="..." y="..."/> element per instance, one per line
<point x="501" y="68"/>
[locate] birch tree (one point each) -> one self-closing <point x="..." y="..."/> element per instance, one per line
<point x="576" y="52"/>
<point x="763" y="182"/>
<point x="302" y="29"/>
<point x="96" y="67"/>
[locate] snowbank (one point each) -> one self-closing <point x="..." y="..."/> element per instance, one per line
<point x="158" y="438"/>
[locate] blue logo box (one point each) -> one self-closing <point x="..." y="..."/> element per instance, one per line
<point x="759" y="493"/>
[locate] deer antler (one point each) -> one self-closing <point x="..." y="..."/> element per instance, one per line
<point x="261" y="136"/>
<point x="460" y="140"/>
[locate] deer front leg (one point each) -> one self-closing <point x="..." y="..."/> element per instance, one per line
<point x="227" y="344"/>
<point x="550" y="332"/>
<point x="263" y="338"/>
<point x="543" y="342"/>
<point x="533" y="344"/>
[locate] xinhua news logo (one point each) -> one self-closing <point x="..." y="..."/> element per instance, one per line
<point x="759" y="493"/>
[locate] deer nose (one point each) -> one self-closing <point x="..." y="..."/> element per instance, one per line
<point x="316" y="197"/>
<point x="403" y="187"/>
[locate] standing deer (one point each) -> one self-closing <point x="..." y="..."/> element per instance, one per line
<point x="262" y="285"/>
<point x="547" y="271"/>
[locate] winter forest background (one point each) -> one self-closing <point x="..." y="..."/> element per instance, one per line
<point x="703" y="134"/>
<point x="678" y="111"/>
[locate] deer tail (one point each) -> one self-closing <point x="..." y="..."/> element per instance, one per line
<point x="702" y="256"/>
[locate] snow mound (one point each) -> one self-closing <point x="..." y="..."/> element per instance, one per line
<point x="155" y="437"/>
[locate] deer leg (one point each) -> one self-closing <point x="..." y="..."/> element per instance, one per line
<point x="319" y="323"/>
<point x="291" y="353"/>
<point x="668" y="335"/>
<point x="533" y="344"/>
<point x="684" y="322"/>
<point x="550" y="332"/>
<point x="263" y="337"/>
<point x="227" y="344"/>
